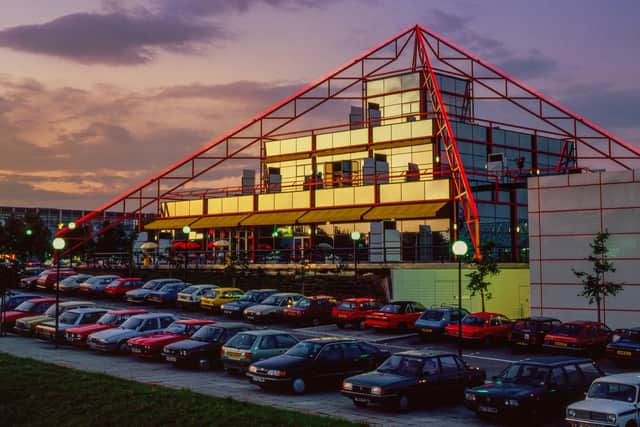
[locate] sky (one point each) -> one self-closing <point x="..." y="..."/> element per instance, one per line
<point x="96" y="96"/>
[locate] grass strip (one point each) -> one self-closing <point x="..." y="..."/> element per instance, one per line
<point x="34" y="393"/>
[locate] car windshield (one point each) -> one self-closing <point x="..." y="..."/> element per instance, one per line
<point x="407" y="366"/>
<point x="72" y="279"/>
<point x="211" y="294"/>
<point x="568" y="330"/>
<point x="189" y="290"/>
<point x="93" y="280"/>
<point x="433" y="315"/>
<point x="170" y="287"/>
<point x="208" y="334"/>
<point x="474" y="321"/>
<point x="305" y="349"/>
<point x="612" y="391"/>
<point x="177" y="328"/>
<point x="241" y="341"/>
<point x="273" y="300"/>
<point x="627" y="336"/>
<point x="69" y="317"/>
<point x="250" y="297"/>
<point x="26" y="306"/>
<point x="520" y="373"/>
<point x="347" y="306"/>
<point x="391" y="308"/>
<point x="152" y="285"/>
<point x="132" y="323"/>
<point x="108" y="319"/>
<point x="303" y="303"/>
<point x="51" y="311"/>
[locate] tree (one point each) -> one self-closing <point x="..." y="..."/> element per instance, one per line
<point x="485" y="268"/>
<point x="595" y="286"/>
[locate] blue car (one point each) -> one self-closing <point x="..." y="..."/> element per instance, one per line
<point x="139" y="296"/>
<point x="14" y="299"/>
<point x="624" y="347"/>
<point x="168" y="294"/>
<point x="235" y="308"/>
<point x="433" y="321"/>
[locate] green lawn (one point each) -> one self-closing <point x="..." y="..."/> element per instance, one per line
<point x="33" y="393"/>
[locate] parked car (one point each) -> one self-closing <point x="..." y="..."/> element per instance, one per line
<point x="29" y="282"/>
<point x="150" y="346"/>
<point x="316" y="361"/>
<point x="115" y="339"/>
<point x="534" y="389"/>
<point x="190" y="296"/>
<point x="397" y="315"/>
<point x="77" y="335"/>
<point x="29" y="308"/>
<point x="353" y="311"/>
<point x="624" y="346"/>
<point x="166" y="295"/>
<point x="214" y="298"/>
<point x="528" y="334"/>
<point x="202" y="350"/>
<point x="412" y="377"/>
<point x="234" y="309"/>
<point x="72" y="284"/>
<point x="68" y="319"/>
<point x="48" y="278"/>
<point x="611" y="401"/>
<point x="95" y="285"/>
<point x="14" y="299"/>
<point x="252" y="346"/>
<point x="119" y="287"/>
<point x="310" y="310"/>
<point x="270" y="309"/>
<point x="27" y="325"/>
<point x="579" y="336"/>
<point x="138" y="296"/>
<point x="433" y="321"/>
<point x="482" y="327"/>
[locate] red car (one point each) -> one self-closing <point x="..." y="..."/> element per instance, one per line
<point x="48" y="278"/>
<point x="150" y="346"/>
<point x="111" y="319"/>
<point x="579" y="336"/>
<point x="119" y="287"/>
<point x="482" y="327"/>
<point x="313" y="310"/>
<point x="32" y="307"/>
<point x="354" y="311"/>
<point x="395" y="315"/>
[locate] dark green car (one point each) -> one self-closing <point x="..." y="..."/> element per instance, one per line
<point x="250" y="346"/>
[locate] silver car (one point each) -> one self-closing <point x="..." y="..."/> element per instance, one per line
<point x="96" y="285"/>
<point x="72" y="283"/>
<point x="115" y="339"/>
<point x="190" y="296"/>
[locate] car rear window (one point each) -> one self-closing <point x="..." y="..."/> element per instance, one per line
<point x="347" y="306"/>
<point x="241" y="341"/>
<point x="391" y="308"/>
<point x="433" y="315"/>
<point x="568" y="330"/>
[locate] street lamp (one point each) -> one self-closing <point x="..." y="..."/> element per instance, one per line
<point x="58" y="245"/>
<point x="186" y="230"/>
<point x="459" y="249"/>
<point x="355" y="236"/>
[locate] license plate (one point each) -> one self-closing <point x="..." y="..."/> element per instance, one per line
<point x="488" y="409"/>
<point x="526" y="337"/>
<point x="361" y="399"/>
<point x="136" y="350"/>
<point x="623" y="353"/>
<point x="258" y="379"/>
<point x="171" y="359"/>
<point x="232" y="355"/>
<point x="250" y="317"/>
<point x="522" y="343"/>
<point x="227" y="312"/>
<point x="561" y="344"/>
<point x="427" y="330"/>
<point x="342" y="316"/>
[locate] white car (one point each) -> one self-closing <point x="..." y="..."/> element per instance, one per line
<point x="611" y="401"/>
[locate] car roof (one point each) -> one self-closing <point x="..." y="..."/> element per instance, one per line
<point x="129" y="311"/>
<point x="231" y="325"/>
<point x="74" y="303"/>
<point x="38" y="300"/>
<point x="329" y="340"/>
<point x="538" y="318"/>
<point x="361" y="299"/>
<point x="425" y="353"/>
<point x="400" y="302"/>
<point x="632" y="378"/>
<point x="264" y="290"/>
<point x="196" y="321"/>
<point x="583" y="322"/>
<point x="486" y="314"/>
<point x="107" y="275"/>
<point x="261" y="332"/>
<point x="88" y="310"/>
<point x="164" y="279"/>
<point x="122" y="279"/>
<point x="314" y="297"/>
<point x="227" y="289"/>
<point x="152" y="315"/>
<point x="287" y="294"/>
<point x="553" y="360"/>
<point x="204" y="286"/>
<point x="634" y="329"/>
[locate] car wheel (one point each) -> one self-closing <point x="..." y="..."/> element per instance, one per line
<point x="360" y="404"/>
<point x="403" y="403"/>
<point x="204" y="364"/>
<point x="123" y="348"/>
<point x="298" y="386"/>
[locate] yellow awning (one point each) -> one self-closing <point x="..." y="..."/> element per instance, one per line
<point x="273" y="218"/>
<point x="321" y="216"/>
<point x="218" y="221"/>
<point x="416" y="211"/>
<point x="169" y="223"/>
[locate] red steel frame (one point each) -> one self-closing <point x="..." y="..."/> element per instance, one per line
<point x="245" y="142"/>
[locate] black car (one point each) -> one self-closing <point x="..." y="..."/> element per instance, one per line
<point x="234" y="309"/>
<point x="14" y="299"/>
<point x="202" y="350"/>
<point x="413" y="376"/>
<point x="529" y="333"/>
<point x="533" y="389"/>
<point x="317" y="361"/>
<point x="624" y="347"/>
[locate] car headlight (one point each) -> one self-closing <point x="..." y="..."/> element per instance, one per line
<point x="470" y="396"/>
<point x="377" y="390"/>
<point x="347" y="386"/>
<point x="612" y="418"/>
<point x="511" y="402"/>
<point x="253" y="369"/>
<point x="183" y="352"/>
<point x="147" y="347"/>
<point x="571" y="413"/>
<point x="276" y="373"/>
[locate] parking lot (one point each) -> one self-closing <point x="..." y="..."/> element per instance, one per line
<point x="217" y="383"/>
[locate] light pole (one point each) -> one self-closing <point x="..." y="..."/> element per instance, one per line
<point x="355" y="236"/>
<point x="459" y="249"/>
<point x="58" y="245"/>
<point x="71" y="226"/>
<point x="186" y="230"/>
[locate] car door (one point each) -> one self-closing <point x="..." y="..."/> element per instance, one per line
<point x="89" y="318"/>
<point x="454" y="370"/>
<point x="268" y="347"/>
<point x="329" y="364"/>
<point x="149" y="326"/>
<point x="165" y="321"/>
<point x="558" y="390"/>
<point x="575" y="382"/>
<point x="429" y="378"/>
<point x="285" y="342"/>
<point x="355" y="359"/>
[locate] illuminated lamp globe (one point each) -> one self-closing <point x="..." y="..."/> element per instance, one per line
<point x="459" y="248"/>
<point x="59" y="243"/>
<point x="186" y="229"/>
<point x="355" y="235"/>
<point x="72" y="225"/>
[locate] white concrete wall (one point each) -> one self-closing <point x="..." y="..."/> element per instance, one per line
<point x="565" y="214"/>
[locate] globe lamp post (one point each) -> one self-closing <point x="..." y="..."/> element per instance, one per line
<point x="459" y="249"/>
<point x="355" y="236"/>
<point x="58" y="245"/>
